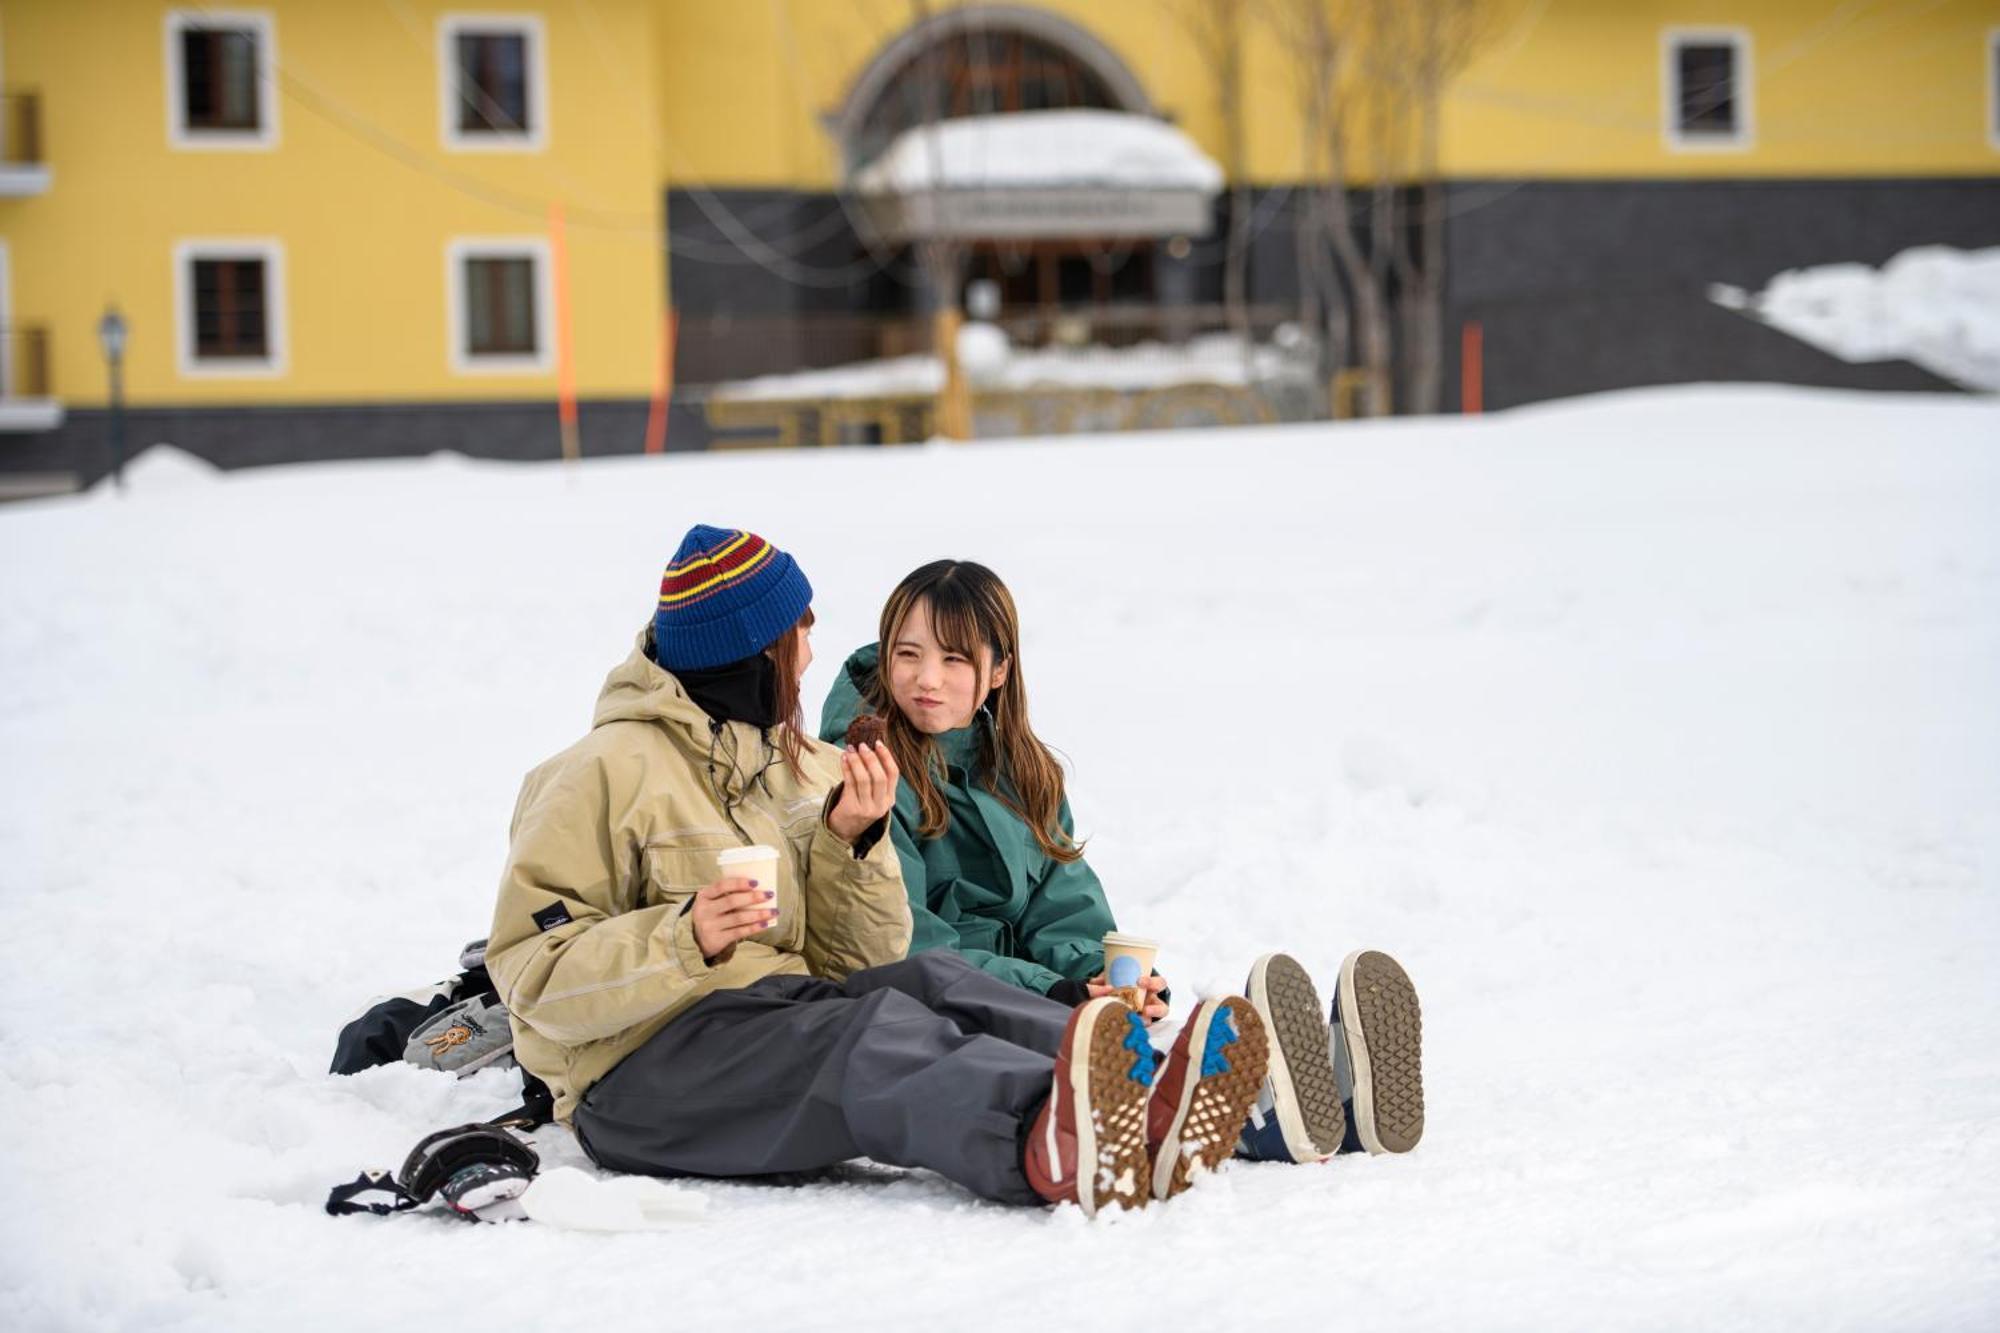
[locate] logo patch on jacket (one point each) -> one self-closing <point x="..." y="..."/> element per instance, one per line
<point x="555" y="914"/>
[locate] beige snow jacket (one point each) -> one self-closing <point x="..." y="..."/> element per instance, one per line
<point x="591" y="950"/>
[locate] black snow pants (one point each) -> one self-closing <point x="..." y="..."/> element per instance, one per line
<point x="928" y="1062"/>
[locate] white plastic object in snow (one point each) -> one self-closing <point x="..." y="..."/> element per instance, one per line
<point x="579" y="1201"/>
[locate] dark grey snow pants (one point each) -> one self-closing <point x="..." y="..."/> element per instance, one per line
<point x="928" y="1062"/>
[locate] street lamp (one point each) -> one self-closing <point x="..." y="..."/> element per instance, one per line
<point x="111" y="336"/>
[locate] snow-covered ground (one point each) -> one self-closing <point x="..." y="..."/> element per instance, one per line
<point x="1213" y="358"/>
<point x="1658" y="734"/>
<point x="1933" y="305"/>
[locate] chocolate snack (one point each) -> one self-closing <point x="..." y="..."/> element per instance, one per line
<point x="866" y="730"/>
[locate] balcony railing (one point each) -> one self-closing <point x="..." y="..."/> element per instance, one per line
<point x="21" y="130"/>
<point x="715" y="348"/>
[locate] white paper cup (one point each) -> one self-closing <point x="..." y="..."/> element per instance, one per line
<point x="758" y="863"/>
<point x="1128" y="961"/>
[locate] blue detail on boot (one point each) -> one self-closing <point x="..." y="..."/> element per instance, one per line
<point x="1221" y="1034"/>
<point x="1144" y="1057"/>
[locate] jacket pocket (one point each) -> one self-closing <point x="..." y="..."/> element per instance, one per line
<point x="677" y="868"/>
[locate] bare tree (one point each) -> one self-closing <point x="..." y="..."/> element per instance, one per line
<point x="1215" y="27"/>
<point x="1435" y="40"/>
<point x="941" y="258"/>
<point x="1316" y="35"/>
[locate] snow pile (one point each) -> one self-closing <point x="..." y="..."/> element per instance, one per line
<point x="1063" y="150"/>
<point x="1218" y="358"/>
<point x="1657" y="735"/>
<point x="1933" y="305"/>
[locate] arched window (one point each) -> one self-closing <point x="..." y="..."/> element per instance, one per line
<point x="978" y="71"/>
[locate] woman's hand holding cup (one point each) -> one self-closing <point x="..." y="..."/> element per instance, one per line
<point x="729" y="910"/>
<point x="1154" y="1008"/>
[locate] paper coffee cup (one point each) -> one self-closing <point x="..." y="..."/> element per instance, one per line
<point x="758" y="863"/>
<point x="1128" y="961"/>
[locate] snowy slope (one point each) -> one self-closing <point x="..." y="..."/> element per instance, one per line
<point x="1659" y="735"/>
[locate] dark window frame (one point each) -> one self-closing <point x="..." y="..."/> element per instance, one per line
<point x="486" y="274"/>
<point x="205" y="71"/>
<point x="236" y="325"/>
<point x="1708" y="89"/>
<point x="482" y="108"/>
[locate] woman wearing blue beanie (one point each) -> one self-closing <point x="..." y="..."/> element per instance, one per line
<point x="701" y="932"/>
<point x="995" y="875"/>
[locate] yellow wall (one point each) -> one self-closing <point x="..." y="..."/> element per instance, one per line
<point x="735" y="93"/>
<point x="1868" y="88"/>
<point x="1562" y="88"/>
<point x="360" y="191"/>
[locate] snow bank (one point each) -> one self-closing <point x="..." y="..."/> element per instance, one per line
<point x="1047" y="149"/>
<point x="1657" y="734"/>
<point x="1933" y="305"/>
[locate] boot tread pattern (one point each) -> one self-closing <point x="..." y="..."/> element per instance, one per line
<point x="1122" y="1172"/>
<point x="1299" y="1028"/>
<point x="1393" y="1027"/>
<point x="1220" y="1101"/>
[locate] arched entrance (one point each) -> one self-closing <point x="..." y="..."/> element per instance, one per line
<point x="975" y="61"/>
<point x="1060" y="220"/>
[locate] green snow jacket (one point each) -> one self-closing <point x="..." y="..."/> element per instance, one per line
<point x="983" y="887"/>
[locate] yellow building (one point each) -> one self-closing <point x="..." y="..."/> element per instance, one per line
<point x="376" y="228"/>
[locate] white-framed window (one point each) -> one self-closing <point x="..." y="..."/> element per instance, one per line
<point x="1706" y="89"/>
<point x="493" y="83"/>
<point x="229" y="308"/>
<point x="221" y="67"/>
<point x="501" y="297"/>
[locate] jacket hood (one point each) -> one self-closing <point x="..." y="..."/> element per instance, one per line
<point x="640" y="690"/>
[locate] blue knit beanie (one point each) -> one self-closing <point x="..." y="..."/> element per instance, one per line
<point x="726" y="595"/>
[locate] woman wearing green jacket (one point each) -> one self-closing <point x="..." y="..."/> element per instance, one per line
<point x="993" y="870"/>
<point x="1025" y="909"/>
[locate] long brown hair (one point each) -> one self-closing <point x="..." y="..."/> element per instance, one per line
<point x="972" y="613"/>
<point x="792" y="738"/>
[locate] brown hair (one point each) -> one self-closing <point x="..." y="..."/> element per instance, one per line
<point x="784" y="654"/>
<point x="972" y="613"/>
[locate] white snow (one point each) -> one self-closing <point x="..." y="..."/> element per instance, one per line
<point x="1932" y="305"/>
<point x="1041" y="149"/>
<point x="1214" y="358"/>
<point x="1657" y="734"/>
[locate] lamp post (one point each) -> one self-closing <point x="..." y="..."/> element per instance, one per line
<point x="111" y="336"/>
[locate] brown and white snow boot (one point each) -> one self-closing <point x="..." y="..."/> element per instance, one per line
<point x="1088" y="1144"/>
<point x="1206" y="1091"/>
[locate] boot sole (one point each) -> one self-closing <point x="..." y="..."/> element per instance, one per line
<point x="1213" y="1105"/>
<point x="1384" y="1029"/>
<point x="1304" y="1090"/>
<point x="1112" y="1162"/>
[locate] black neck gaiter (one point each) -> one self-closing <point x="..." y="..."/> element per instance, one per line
<point x="744" y="691"/>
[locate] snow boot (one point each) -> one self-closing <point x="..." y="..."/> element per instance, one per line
<point x="1377" y="1043"/>
<point x="1087" y="1145"/>
<point x="1204" y="1095"/>
<point x="1298" y="1116"/>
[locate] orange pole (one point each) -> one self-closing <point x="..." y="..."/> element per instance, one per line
<point x="1472" y="369"/>
<point x="663" y="384"/>
<point x="572" y="443"/>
